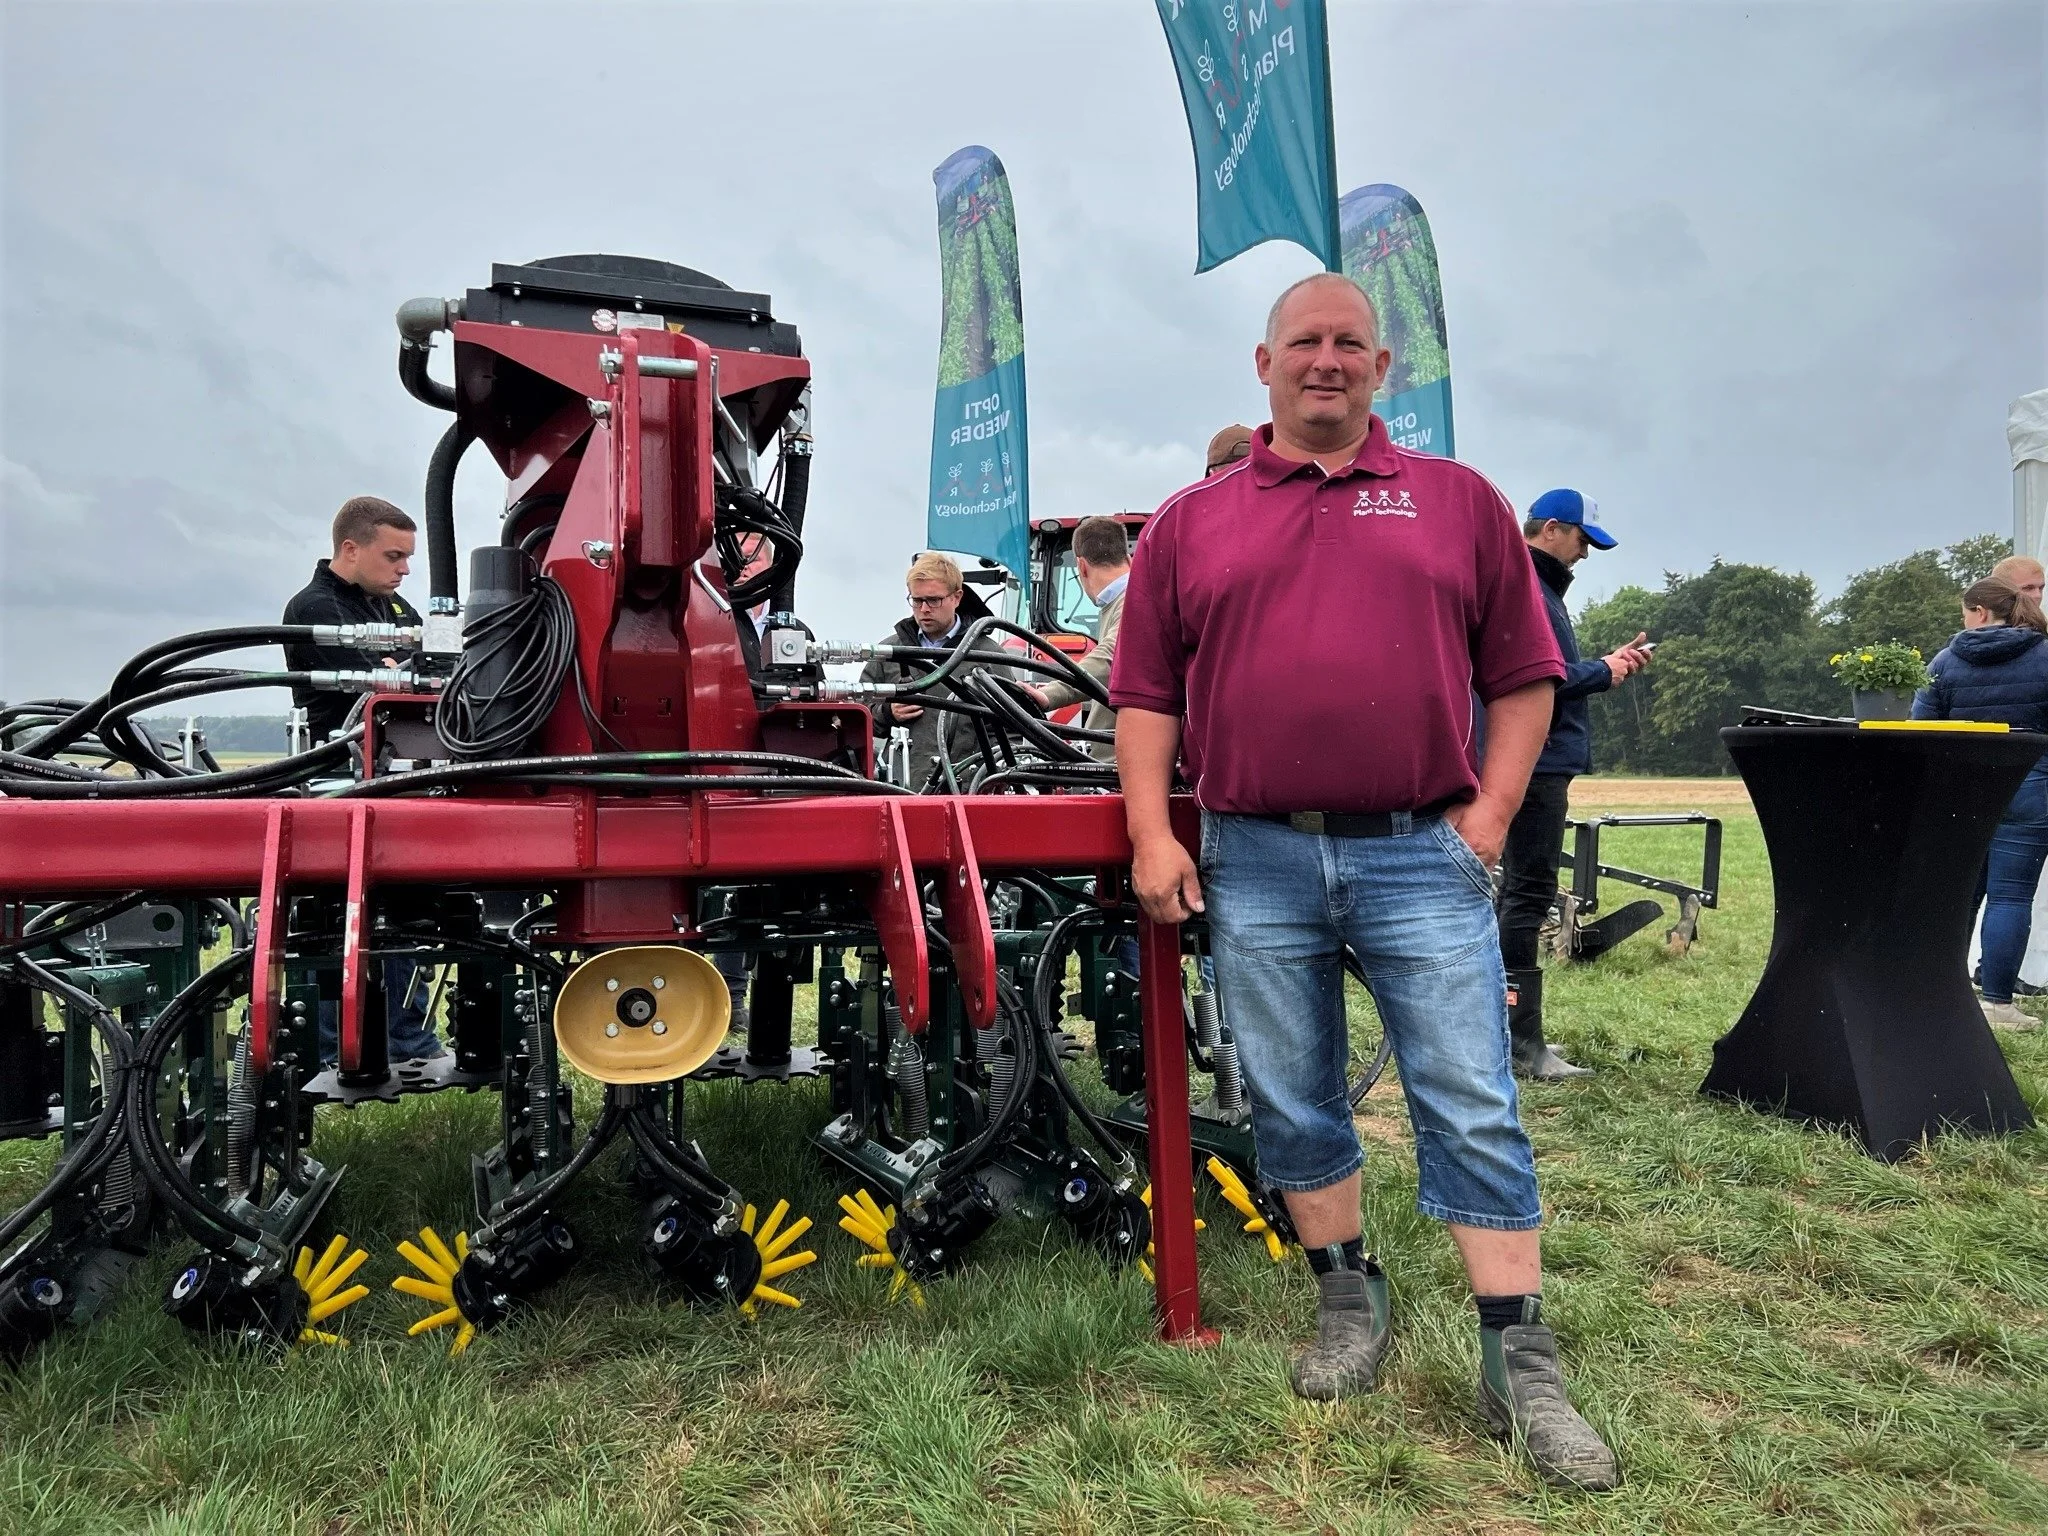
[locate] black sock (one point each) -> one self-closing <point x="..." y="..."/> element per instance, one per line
<point x="1345" y="1255"/>
<point x="1497" y="1312"/>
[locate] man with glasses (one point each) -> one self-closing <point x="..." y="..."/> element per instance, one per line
<point x="934" y="590"/>
<point x="1562" y="528"/>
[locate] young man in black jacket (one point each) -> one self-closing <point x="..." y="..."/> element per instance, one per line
<point x="358" y="584"/>
<point x="373" y="545"/>
<point x="1562" y="528"/>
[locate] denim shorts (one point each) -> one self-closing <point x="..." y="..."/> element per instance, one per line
<point x="1417" y="909"/>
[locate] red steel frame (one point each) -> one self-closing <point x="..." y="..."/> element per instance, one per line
<point x="631" y="454"/>
<point x="275" y="848"/>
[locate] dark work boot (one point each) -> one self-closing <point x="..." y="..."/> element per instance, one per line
<point x="1534" y="1058"/>
<point x="1353" y="1324"/>
<point x="1521" y="1397"/>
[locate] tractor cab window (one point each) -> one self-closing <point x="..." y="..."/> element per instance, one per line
<point x="1072" y="609"/>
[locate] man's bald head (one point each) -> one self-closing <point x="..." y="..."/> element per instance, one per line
<point x="1321" y="363"/>
<point x="1276" y="313"/>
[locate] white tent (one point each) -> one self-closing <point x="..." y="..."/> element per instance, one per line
<point x="2026" y="430"/>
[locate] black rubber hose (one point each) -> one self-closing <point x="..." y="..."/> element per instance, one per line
<point x="601" y="1133"/>
<point x="1062" y="671"/>
<point x="257" y="779"/>
<point x="444" y="584"/>
<point x="796" y="496"/>
<point x="174" y="651"/>
<point x="453" y="774"/>
<point x="229" y="682"/>
<point x="674" y="1163"/>
<point x="43" y="768"/>
<point x="159" y="1161"/>
<point x="422" y="386"/>
<point x="515" y="532"/>
<point x="62" y="920"/>
<point x="90" y="1152"/>
<point x="230" y="914"/>
<point x="1104" y="783"/>
<point x="1052" y="974"/>
<point x="1025" y="1039"/>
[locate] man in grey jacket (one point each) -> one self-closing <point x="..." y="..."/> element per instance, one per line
<point x="1102" y="562"/>
<point x="935" y="591"/>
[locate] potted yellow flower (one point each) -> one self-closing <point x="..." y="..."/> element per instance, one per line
<point x="1881" y="678"/>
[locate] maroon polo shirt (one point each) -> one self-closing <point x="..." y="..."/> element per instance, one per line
<point x="1323" y="636"/>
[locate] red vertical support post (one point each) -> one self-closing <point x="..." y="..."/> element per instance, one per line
<point x="1172" y="1153"/>
<point x="273" y="913"/>
<point x="354" y="921"/>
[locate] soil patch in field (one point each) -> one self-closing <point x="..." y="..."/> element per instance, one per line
<point x="1599" y="792"/>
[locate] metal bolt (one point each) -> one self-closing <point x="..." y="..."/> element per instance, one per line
<point x="660" y="1028"/>
<point x="611" y="983"/>
<point x="612" y="1030"/>
<point x="660" y="982"/>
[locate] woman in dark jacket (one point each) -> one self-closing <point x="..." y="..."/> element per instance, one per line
<point x="1997" y="669"/>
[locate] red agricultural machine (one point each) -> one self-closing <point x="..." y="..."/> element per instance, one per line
<point x="617" y="754"/>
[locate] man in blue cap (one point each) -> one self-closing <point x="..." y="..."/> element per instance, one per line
<point x="1562" y="528"/>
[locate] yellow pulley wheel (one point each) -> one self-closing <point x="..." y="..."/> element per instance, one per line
<point x="644" y="1013"/>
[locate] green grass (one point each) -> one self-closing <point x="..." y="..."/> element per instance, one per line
<point x="1778" y="1333"/>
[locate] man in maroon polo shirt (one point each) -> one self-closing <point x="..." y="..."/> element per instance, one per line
<point x="1307" y="630"/>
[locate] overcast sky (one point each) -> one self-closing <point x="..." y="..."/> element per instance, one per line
<point x="1761" y="278"/>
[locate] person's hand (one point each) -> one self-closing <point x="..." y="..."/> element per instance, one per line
<point x="905" y="712"/>
<point x="1165" y="880"/>
<point x="1483" y="823"/>
<point x="1630" y="658"/>
<point x="1038" y="694"/>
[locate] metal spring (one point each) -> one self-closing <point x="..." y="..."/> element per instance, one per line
<point x="540" y="1104"/>
<point x="1221" y="1047"/>
<point x="1002" y="1071"/>
<point x="241" y="1115"/>
<point x="906" y="1071"/>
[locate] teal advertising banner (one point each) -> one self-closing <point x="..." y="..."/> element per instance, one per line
<point x="1389" y="252"/>
<point x="1255" y="79"/>
<point x="980" y="490"/>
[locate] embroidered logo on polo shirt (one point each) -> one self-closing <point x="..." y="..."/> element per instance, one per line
<point x="1382" y="503"/>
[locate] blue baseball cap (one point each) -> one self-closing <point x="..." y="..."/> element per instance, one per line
<point x="1563" y="506"/>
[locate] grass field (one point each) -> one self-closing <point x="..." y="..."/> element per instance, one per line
<point x="1777" y="1333"/>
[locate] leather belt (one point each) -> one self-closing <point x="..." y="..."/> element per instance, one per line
<point x="1356" y="823"/>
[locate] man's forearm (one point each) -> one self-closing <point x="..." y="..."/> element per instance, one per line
<point x="1146" y="745"/>
<point x="1516" y="726"/>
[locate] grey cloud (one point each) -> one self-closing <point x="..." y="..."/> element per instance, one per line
<point x="1650" y="245"/>
<point x="1762" y="282"/>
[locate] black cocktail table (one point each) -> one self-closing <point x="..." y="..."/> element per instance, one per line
<point x="1864" y="1017"/>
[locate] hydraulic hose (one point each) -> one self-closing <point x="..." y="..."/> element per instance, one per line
<point x="96" y="1148"/>
<point x="443" y="583"/>
<point x="1024" y="1073"/>
<point x="1051" y="976"/>
<point x="673" y="1162"/>
<point x="41" y="768"/>
<point x="257" y="779"/>
<point x="54" y="923"/>
<point x="795" y="463"/>
<point x="455" y="774"/>
<point x="422" y="386"/>
<point x="520" y="1201"/>
<point x="159" y="1161"/>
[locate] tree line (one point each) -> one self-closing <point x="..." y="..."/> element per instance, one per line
<point x="1740" y="634"/>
